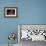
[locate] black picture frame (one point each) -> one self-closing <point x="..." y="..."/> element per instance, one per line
<point x="11" y="12"/>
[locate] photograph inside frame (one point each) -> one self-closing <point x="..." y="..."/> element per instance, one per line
<point x="11" y="11"/>
<point x="33" y="32"/>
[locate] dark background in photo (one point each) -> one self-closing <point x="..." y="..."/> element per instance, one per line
<point x="10" y="12"/>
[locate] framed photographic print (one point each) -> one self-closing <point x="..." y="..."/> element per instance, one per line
<point x="10" y="12"/>
<point x="33" y="32"/>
